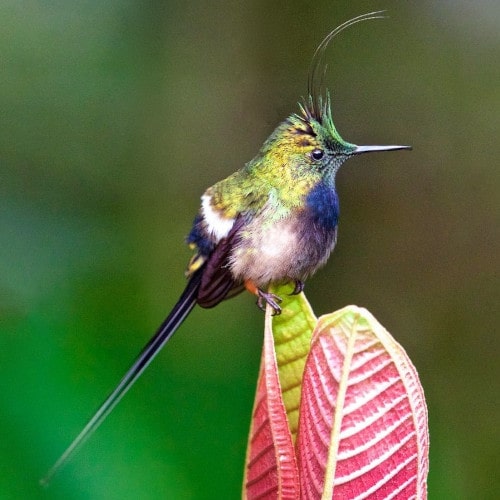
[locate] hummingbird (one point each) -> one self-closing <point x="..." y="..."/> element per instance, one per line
<point x="274" y="221"/>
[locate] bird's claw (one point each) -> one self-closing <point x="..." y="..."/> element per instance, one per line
<point x="299" y="287"/>
<point x="269" y="298"/>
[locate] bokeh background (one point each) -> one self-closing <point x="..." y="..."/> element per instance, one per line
<point x="116" y="115"/>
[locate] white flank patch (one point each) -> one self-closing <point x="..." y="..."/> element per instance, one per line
<point x="217" y="225"/>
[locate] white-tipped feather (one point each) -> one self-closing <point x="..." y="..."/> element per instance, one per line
<point x="218" y="226"/>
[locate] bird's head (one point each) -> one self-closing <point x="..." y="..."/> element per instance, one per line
<point x="312" y="135"/>
<point x="308" y="142"/>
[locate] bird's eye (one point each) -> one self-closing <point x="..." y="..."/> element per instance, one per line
<point x="317" y="154"/>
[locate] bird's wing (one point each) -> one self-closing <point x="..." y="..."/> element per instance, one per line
<point x="217" y="282"/>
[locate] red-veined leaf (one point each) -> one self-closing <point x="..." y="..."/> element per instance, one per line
<point x="363" y="420"/>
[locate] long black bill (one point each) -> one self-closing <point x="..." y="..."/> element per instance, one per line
<point x="372" y="149"/>
<point x="183" y="307"/>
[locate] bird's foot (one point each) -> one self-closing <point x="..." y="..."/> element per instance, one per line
<point x="268" y="298"/>
<point x="299" y="287"/>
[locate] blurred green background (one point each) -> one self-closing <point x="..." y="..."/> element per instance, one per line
<point x="116" y="115"/>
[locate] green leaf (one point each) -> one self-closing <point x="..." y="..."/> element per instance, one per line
<point x="270" y="466"/>
<point x="292" y="331"/>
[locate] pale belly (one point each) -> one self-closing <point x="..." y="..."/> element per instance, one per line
<point x="284" y="251"/>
